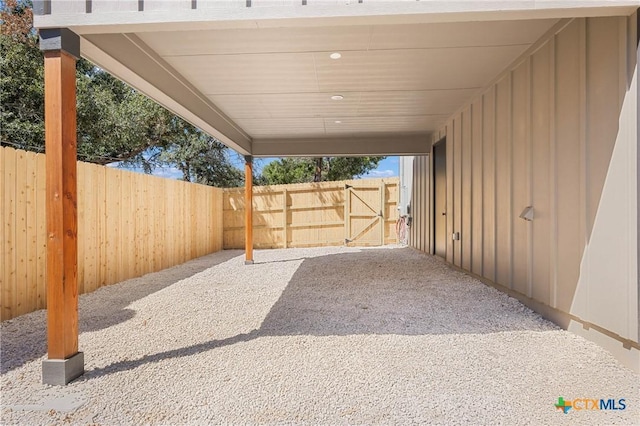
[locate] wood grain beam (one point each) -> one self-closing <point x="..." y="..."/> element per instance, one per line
<point x="61" y="204"/>
<point x="248" y="210"/>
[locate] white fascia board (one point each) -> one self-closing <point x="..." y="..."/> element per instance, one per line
<point x="343" y="146"/>
<point x="370" y="12"/>
<point x="149" y="74"/>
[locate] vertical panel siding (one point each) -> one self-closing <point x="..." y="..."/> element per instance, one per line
<point x="489" y="184"/>
<point x="503" y="182"/>
<point x="541" y="173"/>
<point x="604" y="206"/>
<point x="567" y="125"/>
<point x="477" y="184"/>
<point x="421" y="205"/>
<point x="122" y="223"/>
<point x="419" y="202"/>
<point x="457" y="188"/>
<point x="449" y="132"/>
<point x="558" y="131"/>
<point x="465" y="205"/>
<point x="519" y="177"/>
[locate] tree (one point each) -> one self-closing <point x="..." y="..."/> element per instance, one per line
<point x="17" y="20"/>
<point x="317" y="169"/>
<point x="200" y="158"/>
<point x="115" y="123"/>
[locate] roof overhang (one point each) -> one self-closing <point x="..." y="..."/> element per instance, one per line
<point x="260" y="78"/>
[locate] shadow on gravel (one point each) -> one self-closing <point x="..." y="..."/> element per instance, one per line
<point x="374" y="293"/>
<point x="30" y="342"/>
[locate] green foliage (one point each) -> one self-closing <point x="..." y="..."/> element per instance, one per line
<point x="345" y="168"/>
<point x="115" y="123"/>
<point x="299" y="170"/>
<point x="288" y="170"/>
<point x="21" y="93"/>
<point x="200" y="158"/>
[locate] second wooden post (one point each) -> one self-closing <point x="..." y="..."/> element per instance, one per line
<point x="248" y="210"/>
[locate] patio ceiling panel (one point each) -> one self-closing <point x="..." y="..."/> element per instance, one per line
<point x="278" y="82"/>
<point x="282" y="105"/>
<point x="414" y="69"/>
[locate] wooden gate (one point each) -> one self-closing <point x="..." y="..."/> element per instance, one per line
<point x="364" y="212"/>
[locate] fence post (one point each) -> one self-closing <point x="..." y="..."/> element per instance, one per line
<point x="61" y="49"/>
<point x="347" y="214"/>
<point x="284" y="219"/>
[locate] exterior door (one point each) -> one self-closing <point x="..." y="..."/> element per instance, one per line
<point x="440" y="198"/>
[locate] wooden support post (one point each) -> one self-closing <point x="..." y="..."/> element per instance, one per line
<point x="248" y="210"/>
<point x="285" y="217"/>
<point x="347" y="214"/>
<point x="383" y="210"/>
<point x="64" y="363"/>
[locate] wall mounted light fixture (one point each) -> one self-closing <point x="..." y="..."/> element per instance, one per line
<point x="527" y="214"/>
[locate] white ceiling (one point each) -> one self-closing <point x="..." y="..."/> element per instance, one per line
<point x="395" y="79"/>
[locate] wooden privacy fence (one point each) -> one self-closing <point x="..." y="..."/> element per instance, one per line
<point x="358" y="212"/>
<point x="129" y="224"/>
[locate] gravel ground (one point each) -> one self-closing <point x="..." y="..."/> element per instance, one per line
<point x="312" y="336"/>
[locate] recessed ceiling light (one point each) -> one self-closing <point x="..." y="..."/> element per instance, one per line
<point x="335" y="55"/>
<point x="337" y="97"/>
<point x="337" y="121"/>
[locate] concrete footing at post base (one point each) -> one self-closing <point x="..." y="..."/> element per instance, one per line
<point x="59" y="372"/>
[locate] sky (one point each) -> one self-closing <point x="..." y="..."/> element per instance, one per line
<point x="387" y="168"/>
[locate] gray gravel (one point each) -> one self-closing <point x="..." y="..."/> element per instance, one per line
<point x="312" y="336"/>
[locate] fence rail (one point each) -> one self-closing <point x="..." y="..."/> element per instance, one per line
<point x="129" y="224"/>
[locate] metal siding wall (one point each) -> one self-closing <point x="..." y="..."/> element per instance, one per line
<point x="520" y="177"/>
<point x="457" y="189"/>
<point x="417" y="205"/>
<point x="477" y="183"/>
<point x="465" y="227"/>
<point x="542" y="169"/>
<point x="503" y="182"/>
<point x="450" y="182"/>
<point x="414" y="201"/>
<point x="602" y="118"/>
<point x="567" y="125"/>
<point x="558" y="131"/>
<point x="489" y="184"/>
<point x="420" y="205"/>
